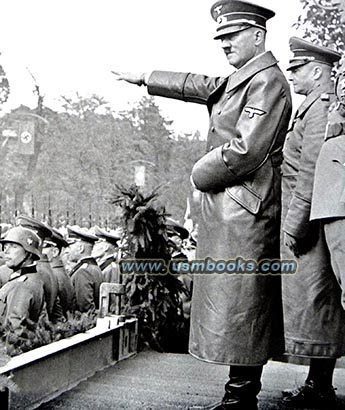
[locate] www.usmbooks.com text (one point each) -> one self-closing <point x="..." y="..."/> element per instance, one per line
<point x="209" y="266"/>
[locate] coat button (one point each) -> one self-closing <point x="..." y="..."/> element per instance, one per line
<point x="211" y="148"/>
<point x="219" y="112"/>
<point x="213" y="129"/>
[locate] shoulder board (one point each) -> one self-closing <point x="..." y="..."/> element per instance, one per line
<point x="334" y="130"/>
<point x="22" y="278"/>
<point x="84" y="265"/>
<point x="14" y="275"/>
<point x="325" y="97"/>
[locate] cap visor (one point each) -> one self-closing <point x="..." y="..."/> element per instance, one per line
<point x="230" y="30"/>
<point x="296" y="64"/>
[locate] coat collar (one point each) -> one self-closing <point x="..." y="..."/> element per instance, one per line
<point x="87" y="260"/>
<point x="23" y="271"/>
<point x="311" y="98"/>
<point x="253" y="67"/>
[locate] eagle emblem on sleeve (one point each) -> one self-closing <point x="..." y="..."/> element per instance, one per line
<point x="251" y="111"/>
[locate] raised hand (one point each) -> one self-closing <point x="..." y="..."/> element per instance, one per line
<point x="129" y="77"/>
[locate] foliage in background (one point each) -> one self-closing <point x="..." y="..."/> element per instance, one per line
<point x="154" y="298"/>
<point x="321" y="26"/>
<point x="44" y="332"/>
<point x="87" y="149"/>
<point x="4" y="86"/>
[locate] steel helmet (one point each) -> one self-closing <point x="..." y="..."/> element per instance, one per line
<point x="28" y="239"/>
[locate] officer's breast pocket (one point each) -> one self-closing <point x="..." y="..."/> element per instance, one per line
<point x="246" y="197"/>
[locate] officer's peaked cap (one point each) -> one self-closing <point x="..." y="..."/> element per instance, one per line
<point x="107" y="236"/>
<point x="305" y="52"/>
<point x="234" y="15"/>
<point x="56" y="239"/>
<point x="74" y="232"/>
<point x="42" y="230"/>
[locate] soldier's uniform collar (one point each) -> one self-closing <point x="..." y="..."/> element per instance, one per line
<point x="23" y="271"/>
<point x="107" y="261"/>
<point x="313" y="96"/>
<point x="250" y="69"/>
<point x="87" y="260"/>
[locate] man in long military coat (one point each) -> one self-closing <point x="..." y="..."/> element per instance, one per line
<point x="52" y="248"/>
<point x="86" y="275"/>
<point x="236" y="319"/>
<point x="313" y="317"/>
<point x="105" y="251"/>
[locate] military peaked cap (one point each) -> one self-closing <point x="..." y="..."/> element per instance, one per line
<point x="235" y="15"/>
<point x="305" y="52"/>
<point x="56" y="239"/>
<point x="75" y="232"/>
<point x="107" y="236"/>
<point x="42" y="230"/>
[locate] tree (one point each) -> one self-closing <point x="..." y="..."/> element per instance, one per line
<point x="321" y="25"/>
<point x="80" y="154"/>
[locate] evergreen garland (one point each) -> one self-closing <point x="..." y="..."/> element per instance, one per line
<point x="43" y="332"/>
<point x="153" y="297"/>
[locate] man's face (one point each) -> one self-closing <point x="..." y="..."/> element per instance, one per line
<point x="99" y="249"/>
<point x="14" y="254"/>
<point x="239" y="47"/>
<point x="50" y="251"/>
<point x="301" y="79"/>
<point x="74" y="251"/>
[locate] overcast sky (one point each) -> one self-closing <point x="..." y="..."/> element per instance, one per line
<point x="71" y="45"/>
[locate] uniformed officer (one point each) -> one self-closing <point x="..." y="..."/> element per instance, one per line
<point x="311" y="296"/>
<point x="52" y="248"/>
<point x="86" y="275"/>
<point x="44" y="269"/>
<point x="105" y="252"/>
<point x="239" y="178"/>
<point x="328" y="201"/>
<point x="22" y="297"/>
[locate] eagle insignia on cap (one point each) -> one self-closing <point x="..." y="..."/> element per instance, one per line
<point x="29" y="241"/>
<point x="218" y="9"/>
<point x="254" y="111"/>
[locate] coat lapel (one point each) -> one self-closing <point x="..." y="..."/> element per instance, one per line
<point x="252" y="68"/>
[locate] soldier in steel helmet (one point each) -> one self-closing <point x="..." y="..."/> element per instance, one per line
<point x="44" y="269"/>
<point x="22" y="297"/>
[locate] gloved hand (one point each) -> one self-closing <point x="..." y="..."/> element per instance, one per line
<point x="133" y="78"/>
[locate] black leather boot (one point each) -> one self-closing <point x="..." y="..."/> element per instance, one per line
<point x="317" y="391"/>
<point x="309" y="395"/>
<point x="240" y="391"/>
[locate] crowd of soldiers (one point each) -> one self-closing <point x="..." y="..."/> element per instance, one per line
<point x="44" y="272"/>
<point x="50" y="272"/>
<point x="271" y="186"/>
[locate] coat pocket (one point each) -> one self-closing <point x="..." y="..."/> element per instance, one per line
<point x="246" y="197"/>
